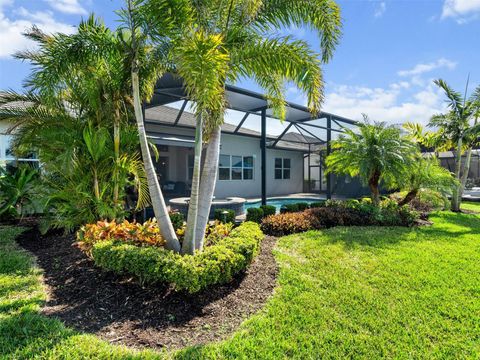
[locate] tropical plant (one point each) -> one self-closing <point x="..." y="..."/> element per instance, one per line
<point x="378" y="154"/>
<point x="75" y="115"/>
<point x="146" y="234"/>
<point x="17" y="192"/>
<point x="211" y="42"/>
<point x="424" y="173"/>
<point x="460" y="130"/>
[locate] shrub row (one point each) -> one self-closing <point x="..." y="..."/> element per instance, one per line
<point x="345" y="213"/>
<point x="257" y="214"/>
<point x="216" y="264"/>
<point x="300" y="206"/>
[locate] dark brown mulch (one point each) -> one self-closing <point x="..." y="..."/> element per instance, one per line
<point x="121" y="311"/>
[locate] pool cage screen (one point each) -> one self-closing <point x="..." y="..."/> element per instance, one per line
<point x="249" y="114"/>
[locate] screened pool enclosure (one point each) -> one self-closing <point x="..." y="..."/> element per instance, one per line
<point x="249" y="115"/>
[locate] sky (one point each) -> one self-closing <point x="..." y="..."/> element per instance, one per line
<point x="389" y="54"/>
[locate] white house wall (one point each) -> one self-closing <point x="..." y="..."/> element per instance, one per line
<point x="240" y="146"/>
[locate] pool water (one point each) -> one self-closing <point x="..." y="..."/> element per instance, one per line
<point x="279" y="202"/>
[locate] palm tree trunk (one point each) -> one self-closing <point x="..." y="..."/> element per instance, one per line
<point x="96" y="186"/>
<point x="156" y="196"/>
<point x="116" y="147"/>
<point x="373" y="185"/>
<point x="465" y="171"/>
<point x="207" y="186"/>
<point x="409" y="197"/>
<point x="188" y="246"/>
<point x="455" y="203"/>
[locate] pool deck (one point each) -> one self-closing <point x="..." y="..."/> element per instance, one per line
<point x="291" y="196"/>
<point x="297" y="196"/>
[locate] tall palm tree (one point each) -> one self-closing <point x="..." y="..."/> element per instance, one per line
<point x="77" y="84"/>
<point x="378" y="154"/>
<point x="210" y="43"/>
<point x="461" y="131"/>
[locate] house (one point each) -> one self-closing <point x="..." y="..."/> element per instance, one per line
<point x="239" y="172"/>
<point x="260" y="156"/>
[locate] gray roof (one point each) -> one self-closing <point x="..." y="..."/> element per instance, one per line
<point x="166" y="115"/>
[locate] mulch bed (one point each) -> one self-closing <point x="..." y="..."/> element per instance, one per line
<point x="121" y="311"/>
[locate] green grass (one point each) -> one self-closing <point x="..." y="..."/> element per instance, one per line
<point x="472" y="206"/>
<point x="345" y="292"/>
<point x="24" y="333"/>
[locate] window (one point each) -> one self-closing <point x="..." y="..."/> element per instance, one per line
<point x="282" y="168"/>
<point x="7" y="157"/>
<point x="233" y="167"/>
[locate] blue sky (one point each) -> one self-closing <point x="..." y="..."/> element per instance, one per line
<point x="384" y="66"/>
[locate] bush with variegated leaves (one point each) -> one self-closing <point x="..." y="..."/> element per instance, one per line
<point x="147" y="233"/>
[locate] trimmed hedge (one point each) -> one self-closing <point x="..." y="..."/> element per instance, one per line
<point x="302" y="206"/>
<point x="317" y="204"/>
<point x="289" y="208"/>
<point x="268" y="210"/>
<point x="224" y="218"/>
<point x="255" y="214"/>
<point x="216" y="264"/>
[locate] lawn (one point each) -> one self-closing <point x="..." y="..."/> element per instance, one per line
<point x="471" y="206"/>
<point x="345" y="292"/>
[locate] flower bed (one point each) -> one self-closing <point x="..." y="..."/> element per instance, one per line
<point x="216" y="264"/>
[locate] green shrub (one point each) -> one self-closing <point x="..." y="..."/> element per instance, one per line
<point x="255" y="215"/>
<point x="288" y="223"/>
<point x="334" y="203"/>
<point x="302" y="206"/>
<point x="217" y="264"/>
<point x="289" y="208"/>
<point x="224" y="215"/>
<point x="327" y="217"/>
<point x="268" y="210"/>
<point x="425" y="201"/>
<point x="317" y="204"/>
<point x="177" y="219"/>
<point x="347" y="213"/>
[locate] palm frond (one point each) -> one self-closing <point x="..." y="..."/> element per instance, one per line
<point x="322" y="16"/>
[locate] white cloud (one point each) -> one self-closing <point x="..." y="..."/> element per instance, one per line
<point x="461" y="10"/>
<point x="11" y="29"/>
<point x="385" y="104"/>
<point x="380" y="9"/>
<point x="424" y="68"/>
<point x="67" y="6"/>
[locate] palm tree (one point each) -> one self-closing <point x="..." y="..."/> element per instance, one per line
<point x="424" y="173"/>
<point x="378" y="154"/>
<point x="74" y="115"/>
<point x="461" y="132"/>
<point x="210" y="43"/>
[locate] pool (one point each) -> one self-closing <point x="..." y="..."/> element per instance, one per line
<point x="278" y="202"/>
